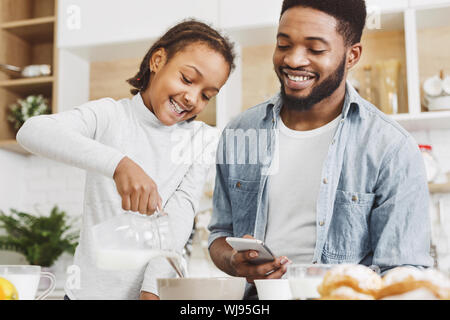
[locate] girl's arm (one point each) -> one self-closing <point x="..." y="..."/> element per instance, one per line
<point x="77" y="138"/>
<point x="70" y="137"/>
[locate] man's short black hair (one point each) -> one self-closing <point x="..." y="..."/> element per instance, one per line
<point x="350" y="14"/>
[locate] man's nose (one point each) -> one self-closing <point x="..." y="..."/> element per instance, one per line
<point x="296" y="59"/>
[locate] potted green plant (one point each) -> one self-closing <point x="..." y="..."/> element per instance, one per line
<point x="41" y="239"/>
<point x="24" y="109"/>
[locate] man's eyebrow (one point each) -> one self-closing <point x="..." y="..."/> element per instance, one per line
<point x="283" y="35"/>
<point x="318" y="39"/>
<point x="198" y="71"/>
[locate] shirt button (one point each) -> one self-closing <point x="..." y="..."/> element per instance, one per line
<point x="325" y="180"/>
<point x="354" y="198"/>
<point x="333" y="142"/>
<point x="343" y="120"/>
<point x="321" y="223"/>
<point x="238" y="184"/>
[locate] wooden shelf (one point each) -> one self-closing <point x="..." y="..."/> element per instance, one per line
<point x="13" y="145"/>
<point x="432" y="120"/>
<point x="28" y="86"/>
<point x="32" y="30"/>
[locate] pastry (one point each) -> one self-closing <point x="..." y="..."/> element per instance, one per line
<point x="350" y="282"/>
<point x="411" y="283"/>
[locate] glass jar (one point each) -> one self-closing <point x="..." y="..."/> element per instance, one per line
<point x="431" y="163"/>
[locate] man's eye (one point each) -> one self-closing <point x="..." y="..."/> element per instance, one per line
<point x="186" y="80"/>
<point x="281" y="47"/>
<point x="316" y="51"/>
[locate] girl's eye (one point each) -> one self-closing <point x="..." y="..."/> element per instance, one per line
<point x="206" y="97"/>
<point x="282" y="47"/>
<point x="186" y="80"/>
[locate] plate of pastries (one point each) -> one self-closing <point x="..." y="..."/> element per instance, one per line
<point x="358" y="282"/>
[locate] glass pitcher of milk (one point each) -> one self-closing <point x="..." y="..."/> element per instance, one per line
<point x="128" y="241"/>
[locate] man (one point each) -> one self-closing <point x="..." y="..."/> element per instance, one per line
<point x="341" y="182"/>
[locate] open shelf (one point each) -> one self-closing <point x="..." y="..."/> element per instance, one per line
<point x="383" y="44"/>
<point x="32" y="30"/>
<point x="29" y="86"/>
<point x="424" y="121"/>
<point x="27" y="37"/>
<point x="433" y="38"/>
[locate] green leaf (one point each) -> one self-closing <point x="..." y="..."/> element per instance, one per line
<point x="41" y="239"/>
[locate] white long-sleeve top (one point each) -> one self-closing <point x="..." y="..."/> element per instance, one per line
<point x="96" y="136"/>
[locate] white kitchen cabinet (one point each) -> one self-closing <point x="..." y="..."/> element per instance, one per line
<point x="238" y="14"/>
<point x="109" y="30"/>
<point x="91" y="23"/>
<point x="388" y="5"/>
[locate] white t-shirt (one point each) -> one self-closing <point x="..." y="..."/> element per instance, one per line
<point x="293" y="190"/>
<point x="95" y="137"/>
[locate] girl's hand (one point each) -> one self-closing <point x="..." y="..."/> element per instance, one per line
<point x="148" y="296"/>
<point x="138" y="191"/>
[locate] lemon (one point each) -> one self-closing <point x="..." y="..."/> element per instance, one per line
<point x="7" y="290"/>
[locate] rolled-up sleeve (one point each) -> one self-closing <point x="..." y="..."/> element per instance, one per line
<point x="400" y="225"/>
<point x="221" y="224"/>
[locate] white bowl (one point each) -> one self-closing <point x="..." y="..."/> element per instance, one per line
<point x="273" y="289"/>
<point x="223" y="288"/>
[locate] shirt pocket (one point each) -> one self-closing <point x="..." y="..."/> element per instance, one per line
<point x="244" y="203"/>
<point x="348" y="238"/>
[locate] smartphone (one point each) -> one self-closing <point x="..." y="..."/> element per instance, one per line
<point x="243" y="244"/>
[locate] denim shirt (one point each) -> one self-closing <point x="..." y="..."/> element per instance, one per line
<point x="373" y="202"/>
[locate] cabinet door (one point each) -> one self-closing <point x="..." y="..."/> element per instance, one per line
<point x="428" y="3"/>
<point x="87" y="22"/>
<point x="248" y="13"/>
<point x="388" y="5"/>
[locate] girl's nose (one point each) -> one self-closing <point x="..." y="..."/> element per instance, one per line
<point x="189" y="100"/>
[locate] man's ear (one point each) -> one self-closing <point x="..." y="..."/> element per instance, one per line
<point x="354" y="54"/>
<point x="157" y="60"/>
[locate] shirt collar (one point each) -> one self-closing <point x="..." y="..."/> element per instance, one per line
<point x="146" y="116"/>
<point x="352" y="101"/>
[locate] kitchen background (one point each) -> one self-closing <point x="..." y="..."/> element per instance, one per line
<point x="93" y="46"/>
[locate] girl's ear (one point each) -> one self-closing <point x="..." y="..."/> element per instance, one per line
<point x="157" y="60"/>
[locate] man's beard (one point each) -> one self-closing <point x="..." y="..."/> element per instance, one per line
<point x="322" y="91"/>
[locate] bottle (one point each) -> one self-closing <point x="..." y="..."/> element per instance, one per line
<point x="368" y="92"/>
<point x="389" y="72"/>
<point x="431" y="163"/>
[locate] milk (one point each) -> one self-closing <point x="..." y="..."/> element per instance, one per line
<point x="305" y="288"/>
<point x="26" y="284"/>
<point x="114" y="259"/>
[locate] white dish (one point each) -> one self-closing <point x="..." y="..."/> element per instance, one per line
<point x="433" y="86"/>
<point x="222" y="288"/>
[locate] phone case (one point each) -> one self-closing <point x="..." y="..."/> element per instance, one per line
<point x="242" y="244"/>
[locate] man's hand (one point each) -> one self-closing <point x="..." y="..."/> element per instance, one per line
<point x="238" y="263"/>
<point x="138" y="191"/>
<point x="148" y="296"/>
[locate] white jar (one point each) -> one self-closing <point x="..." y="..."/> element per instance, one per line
<point x="431" y="163"/>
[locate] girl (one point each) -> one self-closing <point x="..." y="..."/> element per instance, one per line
<point x="127" y="148"/>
